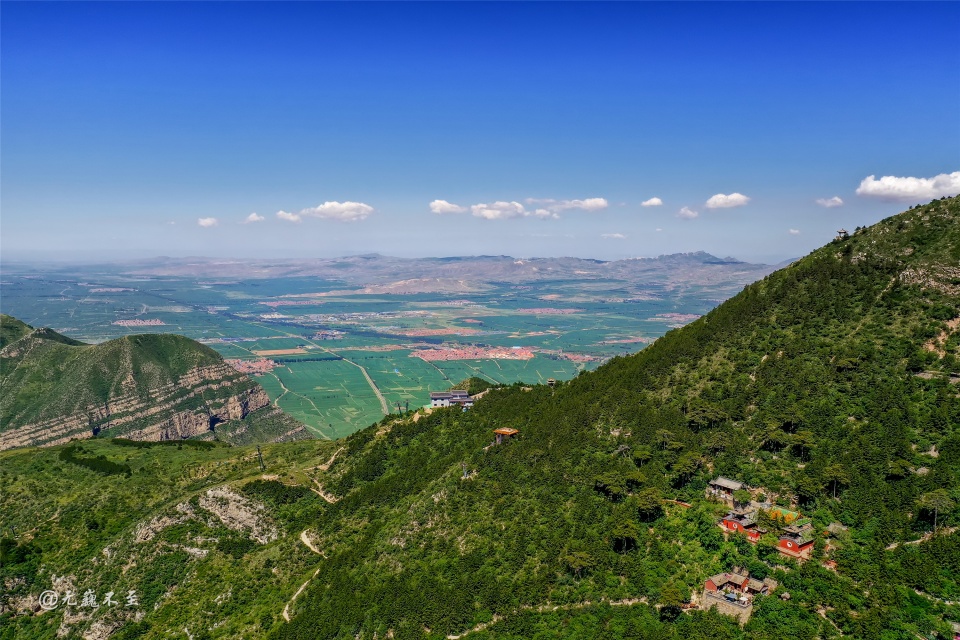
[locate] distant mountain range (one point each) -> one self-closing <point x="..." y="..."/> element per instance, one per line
<point x="461" y="272"/>
<point x="144" y="387"/>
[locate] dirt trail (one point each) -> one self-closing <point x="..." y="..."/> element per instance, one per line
<point x="924" y="538"/>
<point x="373" y="385"/>
<point x="285" y="390"/>
<point x="305" y="540"/>
<point x="628" y="602"/>
<point x="286" y="607"/>
<point x="323" y="494"/>
<point x="326" y="465"/>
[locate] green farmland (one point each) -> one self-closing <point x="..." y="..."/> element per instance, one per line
<point x="339" y="360"/>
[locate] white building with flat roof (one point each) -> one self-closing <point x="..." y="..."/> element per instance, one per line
<point x="450" y="398"/>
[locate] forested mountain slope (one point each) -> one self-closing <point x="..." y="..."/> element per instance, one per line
<point x="831" y="375"/>
<point x="829" y="384"/>
<point x="147" y="387"/>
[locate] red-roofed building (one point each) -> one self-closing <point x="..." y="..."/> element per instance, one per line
<point x="743" y="521"/>
<point x="797" y="540"/>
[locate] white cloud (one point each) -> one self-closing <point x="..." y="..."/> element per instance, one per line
<point x="687" y="213"/>
<point x="910" y="189"/>
<point x="794" y="232"/>
<point x="589" y="204"/>
<point x="652" y="202"/>
<point x="613" y="236"/>
<point x="723" y="201"/>
<point x="342" y="211"/>
<point x="207" y="222"/>
<point x="499" y="210"/>
<point x="830" y="203"/>
<point x="289" y="217"/>
<point x="253" y="217"/>
<point x="543" y="208"/>
<point x="442" y="206"/>
<point x="659" y="229"/>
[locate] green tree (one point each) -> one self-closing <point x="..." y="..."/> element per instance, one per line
<point x="577" y="562"/>
<point x="642" y="454"/>
<point x="802" y="442"/>
<point x="773" y="438"/>
<point x="664" y="437"/>
<point x="936" y="501"/>
<point x="741" y="496"/>
<point x="648" y="503"/>
<point x="611" y="484"/>
<point x="625" y="533"/>
<point x="671" y="601"/>
<point x="836" y="474"/>
<point x="686" y="465"/>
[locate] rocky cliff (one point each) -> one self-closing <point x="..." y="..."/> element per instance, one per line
<point x="151" y="387"/>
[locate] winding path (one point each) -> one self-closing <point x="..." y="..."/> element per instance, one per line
<point x="627" y="602"/>
<point x="326" y="465"/>
<point x="322" y="493"/>
<point x="276" y="402"/>
<point x="305" y="540"/>
<point x="286" y="607"/>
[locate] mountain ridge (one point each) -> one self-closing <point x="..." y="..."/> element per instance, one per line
<point x="379" y="269"/>
<point x="145" y="387"/>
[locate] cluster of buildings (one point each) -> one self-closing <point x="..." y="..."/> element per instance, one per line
<point x="797" y="538"/>
<point x="137" y="322"/>
<point x="732" y="592"/>
<point x="472" y="353"/>
<point x="255" y="367"/>
<point x="329" y="334"/>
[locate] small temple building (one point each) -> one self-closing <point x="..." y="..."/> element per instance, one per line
<point x="504" y="433"/>
<point x="743" y="520"/>
<point x="723" y="488"/>
<point x="732" y="592"/>
<point x="797" y="539"/>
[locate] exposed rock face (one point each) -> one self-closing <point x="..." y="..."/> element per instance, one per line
<point x="146" y="531"/>
<point x="165" y="413"/>
<point x="217" y="506"/>
<point x="240" y="514"/>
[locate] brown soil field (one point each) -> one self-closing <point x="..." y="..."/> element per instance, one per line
<point x="280" y="352"/>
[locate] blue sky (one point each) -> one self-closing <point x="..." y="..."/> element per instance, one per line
<point x="143" y="129"/>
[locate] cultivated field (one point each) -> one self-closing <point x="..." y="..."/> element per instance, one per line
<point x="339" y="360"/>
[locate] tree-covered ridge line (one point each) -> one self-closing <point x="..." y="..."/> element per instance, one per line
<point x="804" y="383"/>
<point x="815" y="384"/>
<point x="153" y="386"/>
